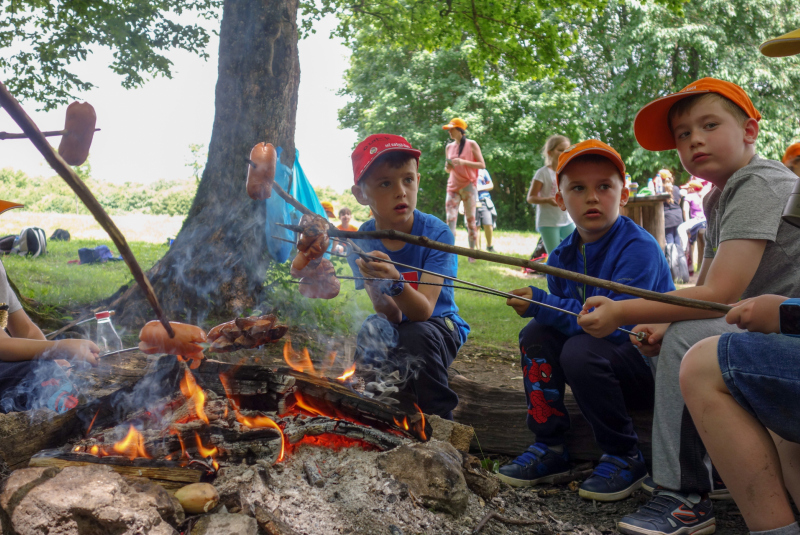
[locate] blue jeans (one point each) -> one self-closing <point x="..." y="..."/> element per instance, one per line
<point x="762" y="374"/>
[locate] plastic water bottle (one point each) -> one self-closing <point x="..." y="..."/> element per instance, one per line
<point x="659" y="184"/>
<point x="650" y="186"/>
<point x="107" y="338"/>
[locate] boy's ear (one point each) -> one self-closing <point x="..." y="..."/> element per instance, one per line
<point x="560" y="201"/>
<point x="359" y="195"/>
<point x="750" y="131"/>
<point x="624" y="196"/>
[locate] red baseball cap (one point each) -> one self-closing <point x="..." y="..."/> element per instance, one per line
<point x="368" y="151"/>
<point x="651" y="125"/>
<point x="590" y="146"/>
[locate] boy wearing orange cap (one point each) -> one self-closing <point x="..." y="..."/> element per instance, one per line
<point x="29" y="379"/>
<point x="608" y="375"/>
<point x="749" y="251"/>
<point x="416" y="331"/>
<point x="791" y="158"/>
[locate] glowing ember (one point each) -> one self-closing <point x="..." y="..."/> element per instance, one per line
<point x="192" y="392"/>
<point x="347" y="373"/>
<point x="132" y="446"/>
<point x="77" y="448"/>
<point x="300" y="362"/>
<point x="95" y="450"/>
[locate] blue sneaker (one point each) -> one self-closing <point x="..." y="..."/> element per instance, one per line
<point x="539" y="464"/>
<point x="671" y="513"/>
<point x="718" y="489"/>
<point x="614" y="478"/>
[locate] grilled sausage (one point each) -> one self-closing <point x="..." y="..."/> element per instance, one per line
<point x="261" y="177"/>
<point x="79" y="124"/>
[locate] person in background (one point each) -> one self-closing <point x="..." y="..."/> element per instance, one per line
<point x="487" y="213"/>
<point x="791" y="158"/>
<point x="463" y="159"/>
<point x="673" y="215"/>
<point x="692" y="211"/>
<point x="328" y="207"/>
<point x="345" y="216"/>
<point x="553" y="223"/>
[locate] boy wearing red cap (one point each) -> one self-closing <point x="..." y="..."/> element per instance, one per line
<point x="29" y="379"/>
<point x="749" y="251"/>
<point x="606" y="376"/>
<point x="416" y="331"/>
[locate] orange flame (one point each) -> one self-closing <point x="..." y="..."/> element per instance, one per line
<point x="303" y="404"/>
<point x="95" y="450"/>
<point x="403" y="424"/>
<point x="422" y="423"/>
<point x="132" y="446"/>
<point x="175" y="432"/>
<point x="300" y="362"/>
<point x="347" y="373"/>
<point x="92" y="422"/>
<point x="207" y="452"/>
<point x="192" y="392"/>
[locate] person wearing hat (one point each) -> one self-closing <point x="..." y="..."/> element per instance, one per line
<point x="750" y="251"/>
<point x="791" y="158"/>
<point x="416" y="331"/>
<point x="328" y="207"/>
<point x="693" y="211"/>
<point x="463" y="159"/>
<point x="606" y="376"/>
<point x="29" y="377"/>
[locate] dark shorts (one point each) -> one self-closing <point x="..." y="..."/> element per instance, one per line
<point x="486" y="215"/>
<point x="762" y="373"/>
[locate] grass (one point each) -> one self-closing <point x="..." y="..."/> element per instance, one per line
<point x="54" y="283"/>
<point x="135" y="227"/>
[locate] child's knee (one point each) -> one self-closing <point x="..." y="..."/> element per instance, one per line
<point x="700" y="368"/>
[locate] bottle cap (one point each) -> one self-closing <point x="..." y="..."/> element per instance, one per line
<point x="102" y="315"/>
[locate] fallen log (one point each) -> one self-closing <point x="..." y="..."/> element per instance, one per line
<point x="498" y="417"/>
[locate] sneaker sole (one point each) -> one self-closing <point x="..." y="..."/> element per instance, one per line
<point x="721" y="494"/>
<point x="514" y="482"/>
<point x="705" y="528"/>
<point x="611" y="496"/>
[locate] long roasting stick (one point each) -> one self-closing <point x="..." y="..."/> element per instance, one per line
<point x="507" y="260"/>
<point x="16" y="112"/>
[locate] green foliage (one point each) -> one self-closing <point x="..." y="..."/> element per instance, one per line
<point x="626" y="56"/>
<point x="41" y="41"/>
<point x="52" y="194"/>
<point x="197" y="160"/>
<point x="342" y="200"/>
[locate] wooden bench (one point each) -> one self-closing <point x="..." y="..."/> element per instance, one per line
<point x="648" y="212"/>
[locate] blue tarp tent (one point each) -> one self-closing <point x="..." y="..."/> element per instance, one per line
<point x="279" y="211"/>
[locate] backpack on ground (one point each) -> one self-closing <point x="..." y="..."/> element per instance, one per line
<point x="677" y="264"/>
<point x="32" y="241"/>
<point x="60" y="235"/>
<point x="93" y="255"/>
<point x="7" y="243"/>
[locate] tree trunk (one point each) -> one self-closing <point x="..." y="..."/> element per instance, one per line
<point x="218" y="260"/>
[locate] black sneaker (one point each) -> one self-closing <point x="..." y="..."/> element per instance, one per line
<point x="539" y="464"/>
<point x="718" y="490"/>
<point x="614" y="478"/>
<point x="671" y="513"/>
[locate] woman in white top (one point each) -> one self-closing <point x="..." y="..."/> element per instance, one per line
<point x="551" y="222"/>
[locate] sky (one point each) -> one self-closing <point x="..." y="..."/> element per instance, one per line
<point x="146" y="132"/>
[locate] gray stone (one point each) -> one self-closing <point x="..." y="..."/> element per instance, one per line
<point x="225" y="524"/>
<point x="459" y="435"/>
<point x="79" y="500"/>
<point x="168" y="506"/>
<point x="432" y="471"/>
<point x="480" y="481"/>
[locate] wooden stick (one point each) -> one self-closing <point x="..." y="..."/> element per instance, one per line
<point x="504" y="520"/>
<point x="16" y="112"/>
<point x="49" y="133"/>
<point x="536" y="266"/>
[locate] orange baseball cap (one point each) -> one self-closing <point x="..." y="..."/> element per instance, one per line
<point x="590" y="146"/>
<point x="785" y="45"/>
<point x="455" y="123"/>
<point x="8" y="205"/>
<point x="328" y="207"/>
<point x="791" y="153"/>
<point x="651" y="125"/>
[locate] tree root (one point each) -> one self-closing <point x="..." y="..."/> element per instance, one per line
<point x="504" y="520"/>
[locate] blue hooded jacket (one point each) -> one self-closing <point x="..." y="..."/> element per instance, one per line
<point x="626" y="254"/>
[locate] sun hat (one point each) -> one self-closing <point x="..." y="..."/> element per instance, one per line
<point x="665" y="173"/>
<point x="786" y="45"/>
<point x="368" y="151"/>
<point x="791" y="153"/>
<point x="328" y="207"/>
<point x="695" y="185"/>
<point x="8" y="205"/>
<point x="651" y="125"/>
<point x="455" y="123"/>
<point x="590" y="146"/>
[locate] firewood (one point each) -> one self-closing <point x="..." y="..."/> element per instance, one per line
<point x="269" y="522"/>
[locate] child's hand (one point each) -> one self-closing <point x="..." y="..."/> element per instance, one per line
<point x="651" y="347"/>
<point x="377" y="269"/>
<point x="603" y="320"/>
<point x="519" y="306"/>
<point x="757" y="314"/>
<point x="75" y="349"/>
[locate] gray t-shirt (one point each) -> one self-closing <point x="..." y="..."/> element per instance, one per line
<point x="7" y="295"/>
<point x="749" y="207"/>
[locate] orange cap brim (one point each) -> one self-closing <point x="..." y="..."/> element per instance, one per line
<point x="651" y="125"/>
<point x="8" y="205"/>
<point x="612" y="157"/>
<point x="449" y="126"/>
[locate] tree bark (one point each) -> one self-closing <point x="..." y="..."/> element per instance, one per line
<point x="218" y="260"/>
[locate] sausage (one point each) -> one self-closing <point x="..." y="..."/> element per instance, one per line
<point x="154" y="339"/>
<point x="217" y="331"/>
<point x="247" y="333"/>
<point x="314" y="240"/>
<point x="79" y="124"/>
<point x="308" y="266"/>
<point x="322" y="283"/>
<point x="261" y="177"/>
